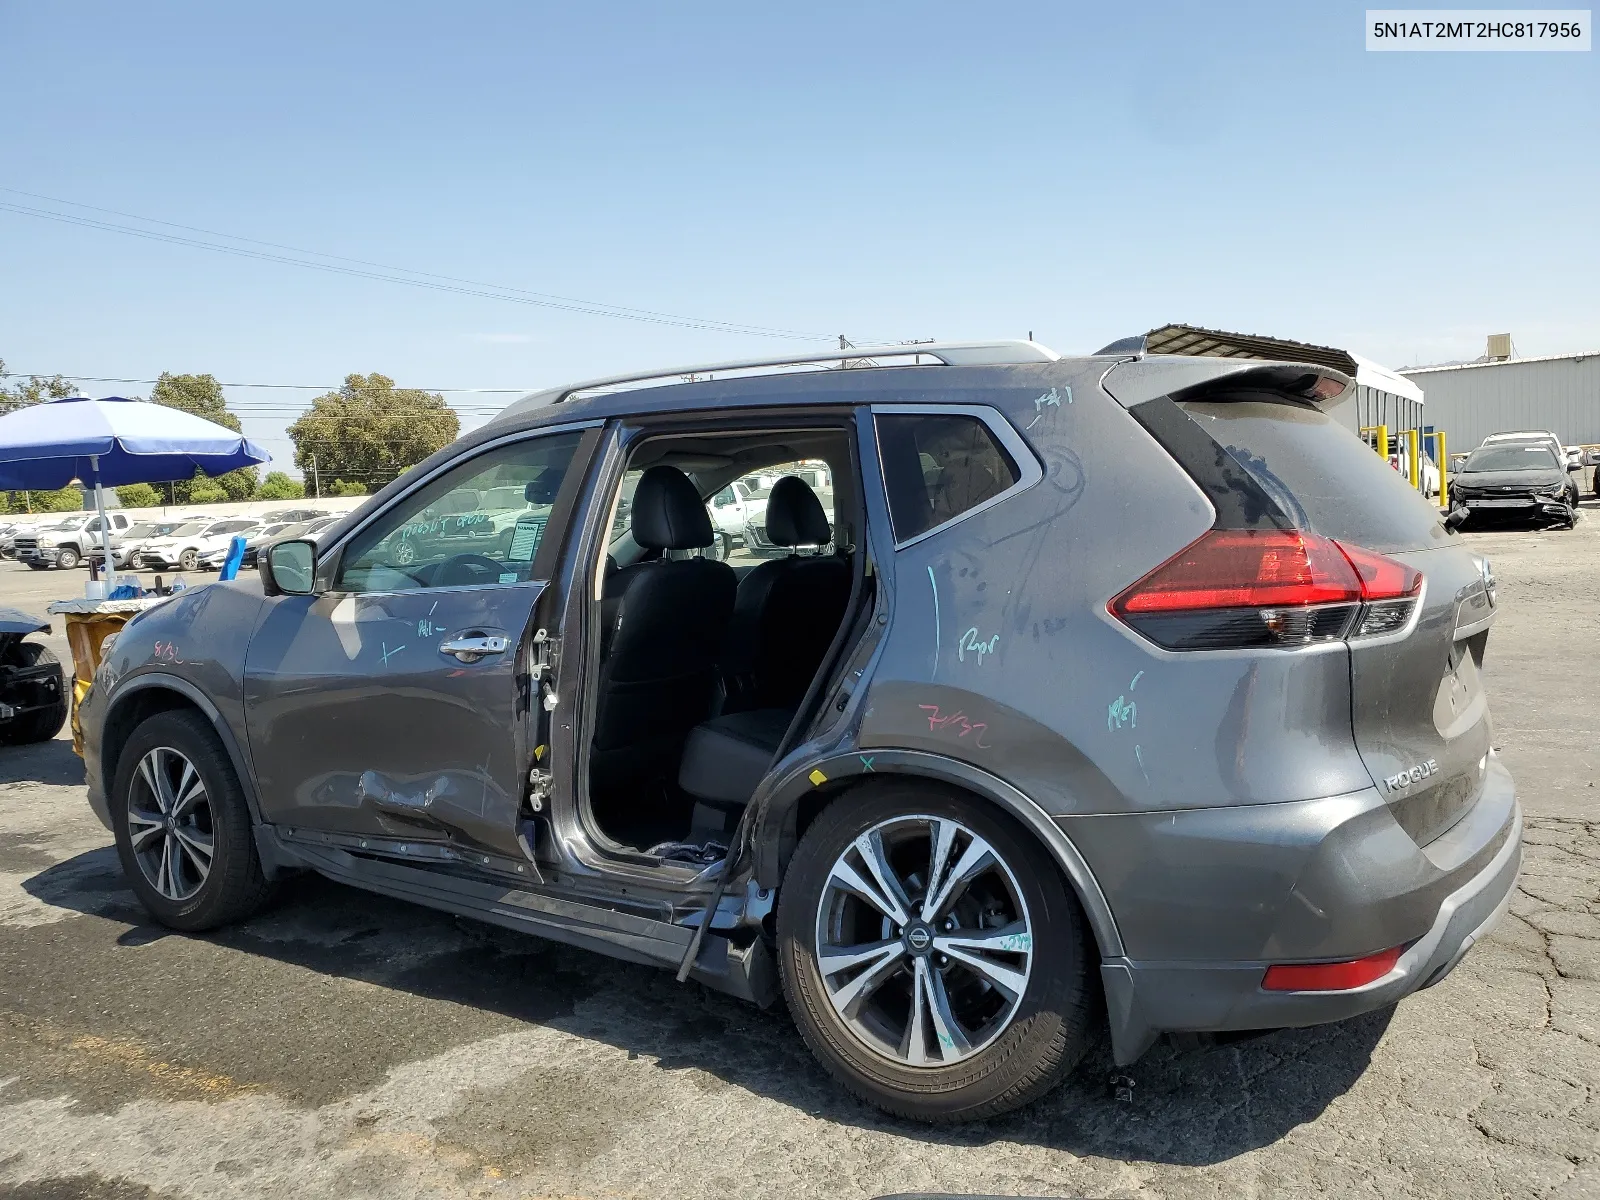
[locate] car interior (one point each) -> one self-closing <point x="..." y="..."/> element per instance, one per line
<point x="703" y="665"/>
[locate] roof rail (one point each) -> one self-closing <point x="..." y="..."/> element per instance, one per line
<point x="949" y="354"/>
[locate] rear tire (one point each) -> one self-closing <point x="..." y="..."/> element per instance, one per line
<point x="41" y="724"/>
<point x="178" y="882"/>
<point x="1003" y="1049"/>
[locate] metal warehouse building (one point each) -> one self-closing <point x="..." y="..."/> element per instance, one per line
<point x="1559" y="392"/>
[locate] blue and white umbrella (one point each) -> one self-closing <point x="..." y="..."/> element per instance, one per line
<point x="111" y="442"/>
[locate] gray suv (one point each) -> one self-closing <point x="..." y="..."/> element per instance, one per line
<point x="1123" y="692"/>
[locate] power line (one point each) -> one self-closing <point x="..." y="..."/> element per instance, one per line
<point x="384" y="272"/>
<point x="302" y="387"/>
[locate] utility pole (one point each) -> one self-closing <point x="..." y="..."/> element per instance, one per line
<point x="316" y="482"/>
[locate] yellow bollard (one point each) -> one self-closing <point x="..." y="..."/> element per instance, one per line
<point x="1443" y="461"/>
<point x="1414" y="459"/>
<point x="1383" y="442"/>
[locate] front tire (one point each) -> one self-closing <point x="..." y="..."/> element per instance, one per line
<point x="954" y="1002"/>
<point x="66" y="558"/>
<point x="188" y="560"/>
<point x="182" y="826"/>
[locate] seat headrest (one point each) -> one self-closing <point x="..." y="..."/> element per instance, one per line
<point x="544" y="489"/>
<point x="668" y="513"/>
<point x="795" y="516"/>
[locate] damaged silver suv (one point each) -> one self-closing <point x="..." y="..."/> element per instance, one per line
<point x="1120" y="692"/>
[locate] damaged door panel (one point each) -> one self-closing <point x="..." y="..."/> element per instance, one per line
<point x="400" y="703"/>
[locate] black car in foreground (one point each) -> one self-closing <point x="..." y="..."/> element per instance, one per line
<point x="1515" y="479"/>
<point x="33" y="692"/>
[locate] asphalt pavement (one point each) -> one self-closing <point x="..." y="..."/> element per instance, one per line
<point x="345" y="1045"/>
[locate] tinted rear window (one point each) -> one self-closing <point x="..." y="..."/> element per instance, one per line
<point x="1321" y="473"/>
<point x="936" y="468"/>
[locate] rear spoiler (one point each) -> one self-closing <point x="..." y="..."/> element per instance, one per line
<point x="1188" y="378"/>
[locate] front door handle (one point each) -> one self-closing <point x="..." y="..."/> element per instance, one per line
<point x="471" y="649"/>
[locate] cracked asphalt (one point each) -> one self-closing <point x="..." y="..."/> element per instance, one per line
<point x="344" y="1045"/>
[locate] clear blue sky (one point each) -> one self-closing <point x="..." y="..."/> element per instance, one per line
<point x="885" y="170"/>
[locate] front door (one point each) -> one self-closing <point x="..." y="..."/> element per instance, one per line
<point x="398" y="702"/>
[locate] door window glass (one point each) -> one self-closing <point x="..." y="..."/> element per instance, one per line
<point x="937" y="467"/>
<point x="480" y="523"/>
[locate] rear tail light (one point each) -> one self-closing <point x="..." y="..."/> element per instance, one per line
<point x="1330" y="977"/>
<point x="1240" y="588"/>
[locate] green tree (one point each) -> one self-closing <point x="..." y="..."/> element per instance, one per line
<point x="67" y="499"/>
<point x="202" y="396"/>
<point x="32" y="390"/>
<point x="206" y="491"/>
<point x="278" y="486"/>
<point x="138" y="495"/>
<point x="342" y="487"/>
<point x="369" y="431"/>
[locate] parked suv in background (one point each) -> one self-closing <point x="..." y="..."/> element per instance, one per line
<point x="260" y="537"/>
<point x="65" y="543"/>
<point x="183" y="548"/>
<point x="1127" y="689"/>
<point x="127" y="545"/>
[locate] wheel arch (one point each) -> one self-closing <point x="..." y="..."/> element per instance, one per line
<point x="800" y="795"/>
<point x="146" y="695"/>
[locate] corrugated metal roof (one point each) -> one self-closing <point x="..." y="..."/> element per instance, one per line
<point x="1218" y="343"/>
<point x="1503" y="362"/>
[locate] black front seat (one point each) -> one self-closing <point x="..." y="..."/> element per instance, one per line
<point x="787" y="614"/>
<point x="666" y="621"/>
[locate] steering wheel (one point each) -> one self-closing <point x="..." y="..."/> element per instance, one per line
<point x="466" y="570"/>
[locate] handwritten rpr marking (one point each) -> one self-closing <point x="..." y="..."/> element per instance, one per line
<point x="1052" y="400"/>
<point x="956" y="722"/>
<point x="970" y="643"/>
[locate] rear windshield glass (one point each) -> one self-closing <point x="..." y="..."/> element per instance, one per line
<point x="1511" y="458"/>
<point x="1322" y="474"/>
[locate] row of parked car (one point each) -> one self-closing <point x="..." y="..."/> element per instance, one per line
<point x="1522" y="473"/>
<point x="196" y="541"/>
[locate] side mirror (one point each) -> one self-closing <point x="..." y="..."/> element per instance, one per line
<point x="289" y="568"/>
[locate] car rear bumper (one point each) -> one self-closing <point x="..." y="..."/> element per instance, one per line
<point x="1363" y="888"/>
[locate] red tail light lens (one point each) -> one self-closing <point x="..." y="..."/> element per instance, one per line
<point x="1382" y="578"/>
<point x="1330" y="977"/>
<point x="1245" y="568"/>
<point x="1239" y="588"/>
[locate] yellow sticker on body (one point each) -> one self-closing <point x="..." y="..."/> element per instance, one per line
<point x="817" y="778"/>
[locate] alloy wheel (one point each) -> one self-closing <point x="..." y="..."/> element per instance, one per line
<point x="169" y="824"/>
<point x="923" y="941"/>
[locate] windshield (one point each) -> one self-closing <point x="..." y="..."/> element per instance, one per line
<point x="142" y="529"/>
<point x="1511" y="458"/>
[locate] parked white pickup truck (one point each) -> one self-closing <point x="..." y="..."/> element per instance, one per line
<point x="65" y="543"/>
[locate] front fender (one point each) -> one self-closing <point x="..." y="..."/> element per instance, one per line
<point x="775" y="820"/>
